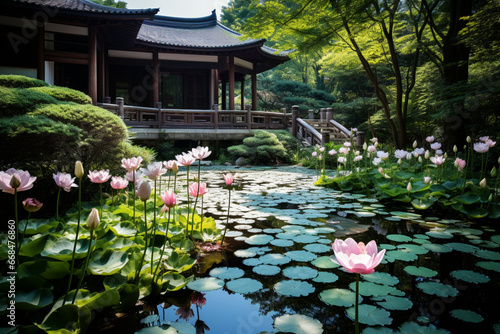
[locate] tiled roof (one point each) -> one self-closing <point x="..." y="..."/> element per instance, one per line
<point x="86" y="6"/>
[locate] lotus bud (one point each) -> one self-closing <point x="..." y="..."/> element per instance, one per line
<point x="415" y="144"/>
<point x="375" y="144"/>
<point x="399" y="161"/>
<point x="357" y="153"/>
<point x="144" y="190"/>
<point x="490" y="197"/>
<point x="420" y="159"/>
<point x="465" y="147"/>
<point x="381" y="170"/>
<point x="79" y="169"/>
<point x="427" y="154"/>
<point x="469" y="139"/>
<point x="427" y="179"/>
<point x="408" y="156"/>
<point x="365" y="146"/>
<point x="493" y="172"/>
<point x="455" y="148"/>
<point x="445" y="155"/>
<point x="15" y="181"/>
<point x="483" y="183"/>
<point x="408" y="187"/>
<point x="93" y="220"/>
<point x="499" y="161"/>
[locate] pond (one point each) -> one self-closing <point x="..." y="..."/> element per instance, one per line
<point x="438" y="275"/>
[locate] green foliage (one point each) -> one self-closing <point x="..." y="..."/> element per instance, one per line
<point x="263" y="148"/>
<point x="111" y="3"/>
<point x="25" y="137"/>
<point x="18" y="101"/>
<point x="65" y="94"/>
<point x="167" y="151"/>
<point x="20" y="81"/>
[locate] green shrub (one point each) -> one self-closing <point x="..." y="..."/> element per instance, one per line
<point x="20" y="81"/>
<point x="18" y="101"/>
<point x="102" y="131"/>
<point x="263" y="148"/>
<point x="167" y="151"/>
<point x="64" y="94"/>
<point x="35" y="141"/>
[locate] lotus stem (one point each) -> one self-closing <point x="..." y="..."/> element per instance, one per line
<point x="227" y="219"/>
<point x="163" y="248"/>
<point x="17" y="227"/>
<point x="136" y="280"/>
<point x="57" y="204"/>
<point x="84" y="266"/>
<point x="153" y="229"/>
<point x="356" y="309"/>
<point x="187" y="193"/>
<point x="72" y="266"/>
<point x="24" y="232"/>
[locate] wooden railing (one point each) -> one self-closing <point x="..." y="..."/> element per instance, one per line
<point x="204" y="119"/>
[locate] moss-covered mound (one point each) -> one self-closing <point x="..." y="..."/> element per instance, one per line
<point x="265" y="147"/>
<point x="64" y="94"/>
<point x="20" y="81"/>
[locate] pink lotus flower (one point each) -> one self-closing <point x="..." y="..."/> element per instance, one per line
<point x="144" y="190"/>
<point x="314" y="154"/>
<point x="490" y="142"/>
<point x="332" y="152"/>
<point x="382" y="155"/>
<point x="200" y="153"/>
<point x="376" y="161"/>
<point x="169" y="164"/>
<point x="347" y="144"/>
<point x="460" y="164"/>
<point x="32" y="205"/>
<point x="436" y="146"/>
<point x="344" y="150"/>
<point x="228" y="178"/>
<point x="400" y="154"/>
<point x="118" y="182"/>
<point x="427" y="179"/>
<point x="430" y="139"/>
<point x="356" y="257"/>
<point x="481" y="147"/>
<point x="64" y="181"/>
<point x="131" y="163"/>
<point x="358" y="158"/>
<point x="439" y="160"/>
<point x="23" y="180"/>
<point x="154" y="170"/>
<point x="418" y="151"/>
<point x="93" y="220"/>
<point x="194" y="191"/>
<point x="99" y="176"/>
<point x="169" y="198"/>
<point x="198" y="298"/>
<point x="138" y="176"/>
<point x="485" y="138"/>
<point x="372" y="148"/>
<point x="342" y="160"/>
<point x="185" y="312"/>
<point x="185" y="159"/>
<point x="374" y="140"/>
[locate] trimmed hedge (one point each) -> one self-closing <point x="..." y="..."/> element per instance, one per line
<point x="19" y="101"/>
<point x="20" y="81"/>
<point x="64" y="94"/>
<point x="263" y="148"/>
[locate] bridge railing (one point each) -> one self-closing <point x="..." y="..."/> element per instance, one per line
<point x="204" y="119"/>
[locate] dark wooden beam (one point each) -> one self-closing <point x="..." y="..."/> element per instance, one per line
<point x="254" y="91"/>
<point x="231" y="83"/>
<point x="93" y="64"/>
<point x="242" y="94"/>
<point x="102" y="72"/>
<point x="216" y="86"/>
<point x="156" y="78"/>
<point x="224" y="103"/>
<point x="40" y="72"/>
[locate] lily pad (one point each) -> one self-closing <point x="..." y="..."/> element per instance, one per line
<point x="305" y="239"/>
<point x="398" y="237"/>
<point x="488" y="255"/>
<point x="325" y="262"/>
<point x="252" y="262"/>
<point x="107" y="262"/>
<point x="461" y="247"/>
<point x="259" y="239"/>
<point x="244" y="253"/>
<point x="414" y="249"/>
<point x="395" y="303"/>
<point x="294" y="288"/>
<point x="274" y="259"/>
<point x="206" y="284"/>
<point x="470" y="276"/>
<point x="381" y="278"/>
<point x="298" y="324"/>
<point x="438" y="289"/>
<point x="371" y="315"/>
<point x="266" y="270"/>
<point x="300" y="272"/>
<point x="339" y="297"/>
<point x="372" y="289"/>
<point x="420" y="271"/>
<point x="437" y="248"/>
<point x="402" y="256"/>
<point x="325" y="277"/>
<point x="227" y="273"/>
<point x="317" y="248"/>
<point x="488" y="265"/>
<point x="467" y="316"/>
<point x="439" y="234"/>
<point x="244" y="285"/>
<point x="413" y="327"/>
<point x="301" y="256"/>
<point x="281" y="242"/>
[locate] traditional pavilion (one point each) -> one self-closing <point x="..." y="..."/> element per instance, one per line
<point x="131" y="53"/>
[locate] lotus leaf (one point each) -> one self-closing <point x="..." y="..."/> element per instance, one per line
<point x="437" y="248"/>
<point x="371" y="315"/>
<point x="266" y="270"/>
<point x="305" y="239"/>
<point x="495" y="266"/>
<point x="488" y="255"/>
<point x="206" y="284"/>
<point x="36" y="226"/>
<point x="61" y="250"/>
<point x="244" y="253"/>
<point x="325" y="262"/>
<point x="420" y="271"/>
<point x="381" y="278"/>
<point x="402" y="256"/>
<point x="395" y="303"/>
<point x="438" y="289"/>
<point x="281" y="242"/>
<point x="299" y="272"/>
<point x="325" y="277"/>
<point x="164" y="329"/>
<point x="274" y="259"/>
<point x="298" y="324"/>
<point x="412" y="327"/>
<point x="301" y="256"/>
<point x="294" y="288"/>
<point x="179" y="263"/>
<point x="43" y="268"/>
<point x="470" y="276"/>
<point x="398" y="237"/>
<point x="259" y="239"/>
<point x="107" y="262"/>
<point x="252" y="262"/>
<point x="372" y="289"/>
<point x="227" y="273"/>
<point x="244" y="285"/>
<point x="67" y="317"/>
<point x="467" y="315"/>
<point x="34" y="299"/>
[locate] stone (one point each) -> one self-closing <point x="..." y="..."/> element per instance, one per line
<point x="241" y="161"/>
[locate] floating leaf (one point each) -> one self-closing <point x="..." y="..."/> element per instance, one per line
<point x="339" y="297"/>
<point x="439" y="234"/>
<point x="495" y="266"/>
<point x="206" y="284"/>
<point x="325" y="277"/>
<point x="244" y="253"/>
<point x="244" y="285"/>
<point x="259" y="239"/>
<point x="412" y="327"/>
<point x="470" y="276"/>
<point x="467" y="198"/>
<point x="281" y="242"/>
<point x="395" y="303"/>
<point x="325" y="262"/>
<point x="437" y="248"/>
<point x="164" y="329"/>
<point x="317" y="248"/>
<point x="252" y="262"/>
<point x="227" y="273"/>
<point x="107" y="262"/>
<point x="371" y="315"/>
<point x="267" y="270"/>
<point x="467" y="315"/>
<point x="414" y="249"/>
<point x="398" y="237"/>
<point x="299" y="272"/>
<point x="372" y="289"/>
<point x="438" y="289"/>
<point x="420" y="271"/>
<point x="298" y="324"/>
<point x="301" y="256"/>
<point x="461" y="247"/>
<point x="274" y="259"/>
<point x="381" y="278"/>
<point x="294" y="288"/>
<point x="488" y="255"/>
<point x="305" y="239"/>
<point x="402" y="256"/>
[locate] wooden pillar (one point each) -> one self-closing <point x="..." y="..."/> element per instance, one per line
<point x="295" y="115"/>
<point x="254" y="91"/>
<point x="156" y="78"/>
<point x="216" y="87"/>
<point x="231" y="83"/>
<point x="93" y="64"/>
<point x="243" y="94"/>
<point x="224" y="103"/>
<point x="40" y="71"/>
<point x="102" y="72"/>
